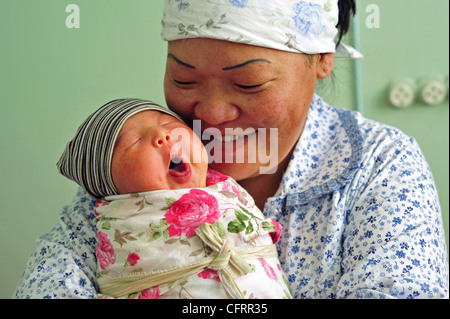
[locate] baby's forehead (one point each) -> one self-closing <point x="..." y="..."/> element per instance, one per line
<point x="145" y="113"/>
<point x="141" y="121"/>
<point x="148" y="116"/>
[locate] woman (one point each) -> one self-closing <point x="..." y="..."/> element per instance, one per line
<point x="356" y="199"/>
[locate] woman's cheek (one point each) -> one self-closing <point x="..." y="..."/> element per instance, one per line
<point x="172" y="95"/>
<point x="179" y="101"/>
<point x="269" y="112"/>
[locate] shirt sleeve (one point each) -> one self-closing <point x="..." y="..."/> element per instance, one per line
<point x="394" y="242"/>
<point x="63" y="264"/>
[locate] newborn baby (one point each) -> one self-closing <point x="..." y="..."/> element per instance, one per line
<point x="168" y="227"/>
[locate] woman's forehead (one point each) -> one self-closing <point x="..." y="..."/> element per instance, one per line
<point x="214" y="45"/>
<point x="223" y="57"/>
<point x="191" y="53"/>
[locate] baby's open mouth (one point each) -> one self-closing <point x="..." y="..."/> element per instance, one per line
<point x="177" y="165"/>
<point x="179" y="170"/>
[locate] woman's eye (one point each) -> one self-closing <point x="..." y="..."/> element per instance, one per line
<point x="248" y="87"/>
<point x="183" y="83"/>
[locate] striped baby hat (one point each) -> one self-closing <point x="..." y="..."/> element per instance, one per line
<point x="87" y="157"/>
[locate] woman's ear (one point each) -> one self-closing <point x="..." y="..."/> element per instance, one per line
<point x="325" y="65"/>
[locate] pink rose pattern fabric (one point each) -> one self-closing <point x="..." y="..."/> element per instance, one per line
<point x="190" y="211"/>
<point x="209" y="274"/>
<point x="104" y="251"/>
<point x="214" y="177"/>
<point x="151" y="293"/>
<point x="155" y="231"/>
<point x="133" y="258"/>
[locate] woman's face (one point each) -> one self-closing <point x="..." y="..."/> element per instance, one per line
<point x="234" y="86"/>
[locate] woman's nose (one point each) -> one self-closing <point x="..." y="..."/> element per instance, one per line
<point x="160" y="138"/>
<point x="216" y="109"/>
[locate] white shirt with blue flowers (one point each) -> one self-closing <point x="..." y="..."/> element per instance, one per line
<point x="358" y="205"/>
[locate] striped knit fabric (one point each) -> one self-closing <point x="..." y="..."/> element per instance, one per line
<point x="87" y="157"/>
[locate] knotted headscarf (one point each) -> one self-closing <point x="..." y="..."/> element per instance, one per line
<point x="287" y="25"/>
<point x="87" y="157"/>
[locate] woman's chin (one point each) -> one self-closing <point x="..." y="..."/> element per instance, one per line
<point x="238" y="171"/>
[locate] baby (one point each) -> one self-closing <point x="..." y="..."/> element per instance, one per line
<point x="168" y="227"/>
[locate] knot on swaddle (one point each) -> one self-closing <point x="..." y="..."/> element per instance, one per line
<point x="227" y="257"/>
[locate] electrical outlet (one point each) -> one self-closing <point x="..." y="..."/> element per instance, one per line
<point x="433" y="92"/>
<point x="402" y="93"/>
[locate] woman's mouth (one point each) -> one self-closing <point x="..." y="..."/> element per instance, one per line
<point x="179" y="169"/>
<point x="230" y="137"/>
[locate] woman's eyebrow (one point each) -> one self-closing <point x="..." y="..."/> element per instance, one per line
<point x="170" y="55"/>
<point x="245" y="63"/>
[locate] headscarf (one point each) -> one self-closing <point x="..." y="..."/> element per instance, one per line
<point x="287" y="25"/>
<point x="87" y="157"/>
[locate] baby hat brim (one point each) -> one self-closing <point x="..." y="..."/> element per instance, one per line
<point x="87" y="157"/>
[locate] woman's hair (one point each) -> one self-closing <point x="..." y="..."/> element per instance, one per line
<point x="347" y="9"/>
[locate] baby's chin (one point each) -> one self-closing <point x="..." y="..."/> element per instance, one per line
<point x="188" y="185"/>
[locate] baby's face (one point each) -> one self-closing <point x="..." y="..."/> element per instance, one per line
<point x="156" y="151"/>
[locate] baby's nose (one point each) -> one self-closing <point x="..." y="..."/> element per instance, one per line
<point x="161" y="137"/>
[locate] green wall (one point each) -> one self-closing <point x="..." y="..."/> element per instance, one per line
<point x="52" y="77"/>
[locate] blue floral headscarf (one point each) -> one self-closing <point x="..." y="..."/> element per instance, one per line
<point x="288" y="25"/>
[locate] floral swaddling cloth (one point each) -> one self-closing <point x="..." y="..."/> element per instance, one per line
<point x="210" y="242"/>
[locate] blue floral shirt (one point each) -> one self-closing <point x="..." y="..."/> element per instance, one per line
<point x="359" y="208"/>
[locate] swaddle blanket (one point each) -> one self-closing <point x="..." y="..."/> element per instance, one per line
<point x="210" y="242"/>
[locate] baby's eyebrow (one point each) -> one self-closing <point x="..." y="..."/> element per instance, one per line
<point x="170" y="55"/>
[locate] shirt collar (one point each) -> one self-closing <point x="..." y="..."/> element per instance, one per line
<point x="325" y="158"/>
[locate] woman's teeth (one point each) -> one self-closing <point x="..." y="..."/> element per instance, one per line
<point x="229" y="138"/>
